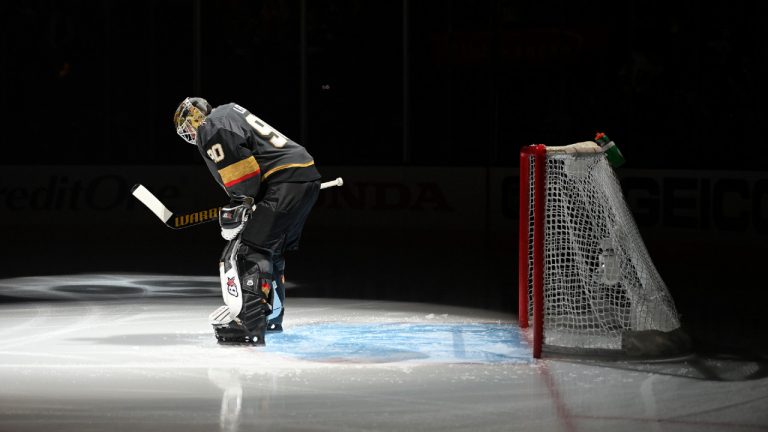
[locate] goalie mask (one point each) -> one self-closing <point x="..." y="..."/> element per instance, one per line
<point x="189" y="116"/>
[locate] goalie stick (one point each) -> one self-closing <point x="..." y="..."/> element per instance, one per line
<point x="186" y="220"/>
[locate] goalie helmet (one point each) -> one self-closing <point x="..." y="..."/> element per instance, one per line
<point x="189" y="116"/>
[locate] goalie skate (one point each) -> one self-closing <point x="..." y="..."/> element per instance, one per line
<point x="234" y="333"/>
<point x="221" y="317"/>
<point x="227" y="330"/>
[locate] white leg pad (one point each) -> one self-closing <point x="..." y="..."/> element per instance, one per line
<point x="230" y="282"/>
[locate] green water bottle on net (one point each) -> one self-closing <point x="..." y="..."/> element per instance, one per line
<point x="612" y="153"/>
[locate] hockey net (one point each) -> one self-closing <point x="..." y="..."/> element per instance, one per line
<point x="587" y="282"/>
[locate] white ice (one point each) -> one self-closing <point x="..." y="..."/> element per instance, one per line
<point x="135" y="353"/>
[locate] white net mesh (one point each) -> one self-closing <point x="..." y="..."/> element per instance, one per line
<point x="600" y="284"/>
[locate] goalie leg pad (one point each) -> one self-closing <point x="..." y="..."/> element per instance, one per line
<point x="231" y="290"/>
<point x="247" y="288"/>
<point x="220" y="316"/>
<point x="275" y="319"/>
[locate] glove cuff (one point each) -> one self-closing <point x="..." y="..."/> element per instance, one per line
<point x="232" y="218"/>
<point x="231" y="233"/>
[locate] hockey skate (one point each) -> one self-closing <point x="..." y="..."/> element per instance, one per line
<point x="234" y="333"/>
<point x="229" y="331"/>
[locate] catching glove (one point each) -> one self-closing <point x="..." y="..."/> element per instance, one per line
<point x="233" y="217"/>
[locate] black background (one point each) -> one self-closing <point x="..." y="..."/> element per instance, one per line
<point x="679" y="85"/>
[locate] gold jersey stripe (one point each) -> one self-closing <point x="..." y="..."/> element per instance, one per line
<point x="282" y="167"/>
<point x="244" y="168"/>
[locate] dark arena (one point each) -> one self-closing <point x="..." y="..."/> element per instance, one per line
<point x="414" y="215"/>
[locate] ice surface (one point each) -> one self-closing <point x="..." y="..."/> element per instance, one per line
<point x="93" y="360"/>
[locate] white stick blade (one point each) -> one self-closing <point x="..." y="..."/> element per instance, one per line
<point x="153" y="204"/>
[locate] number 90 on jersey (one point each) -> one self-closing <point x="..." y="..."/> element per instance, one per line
<point x="263" y="129"/>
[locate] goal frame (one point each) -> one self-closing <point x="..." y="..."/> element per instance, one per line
<point x="654" y="331"/>
<point x="539" y="153"/>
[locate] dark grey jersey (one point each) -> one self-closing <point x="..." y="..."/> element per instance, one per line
<point x="242" y="151"/>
